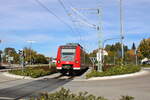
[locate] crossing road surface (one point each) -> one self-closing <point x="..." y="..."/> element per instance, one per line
<point x="138" y="87"/>
<point x="19" y="88"/>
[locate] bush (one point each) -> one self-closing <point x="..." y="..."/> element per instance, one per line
<point x="145" y="65"/>
<point x="65" y="94"/>
<point x="117" y="70"/>
<point x="34" y="72"/>
<point x="127" y="98"/>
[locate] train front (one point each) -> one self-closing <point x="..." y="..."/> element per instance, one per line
<point x="68" y="59"/>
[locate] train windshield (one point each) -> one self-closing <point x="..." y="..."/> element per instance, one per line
<point x="67" y="54"/>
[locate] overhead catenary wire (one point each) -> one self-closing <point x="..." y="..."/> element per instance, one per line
<point x="62" y="3"/>
<point x="84" y="20"/>
<point x="70" y="17"/>
<point x="52" y="13"/>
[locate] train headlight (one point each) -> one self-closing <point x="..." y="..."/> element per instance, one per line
<point x="58" y="62"/>
<point x="76" y="61"/>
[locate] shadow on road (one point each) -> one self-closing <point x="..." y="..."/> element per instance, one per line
<point x="3" y="67"/>
<point x="76" y="73"/>
<point x="32" y="88"/>
<point x="36" y="86"/>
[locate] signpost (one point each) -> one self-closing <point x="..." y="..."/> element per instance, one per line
<point x="93" y="60"/>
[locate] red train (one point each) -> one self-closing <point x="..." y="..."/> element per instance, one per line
<point x="71" y="58"/>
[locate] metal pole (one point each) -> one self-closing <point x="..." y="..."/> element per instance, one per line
<point x="31" y="41"/>
<point x="121" y="32"/>
<point x="30" y="54"/>
<point x="136" y="57"/>
<point x="99" y="29"/>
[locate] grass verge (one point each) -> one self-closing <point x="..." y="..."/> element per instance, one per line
<point x="145" y="66"/>
<point x="116" y="70"/>
<point x="34" y="72"/>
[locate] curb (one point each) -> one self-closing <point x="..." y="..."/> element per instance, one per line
<point x="119" y="76"/>
<point x="16" y="76"/>
<point x="4" y="70"/>
<point x="146" y="68"/>
<point x="25" y="77"/>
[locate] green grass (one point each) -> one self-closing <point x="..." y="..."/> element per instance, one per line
<point x="146" y="66"/>
<point x="65" y="94"/>
<point x="116" y="70"/>
<point x="34" y="72"/>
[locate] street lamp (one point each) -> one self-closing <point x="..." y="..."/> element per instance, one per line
<point x="31" y="42"/>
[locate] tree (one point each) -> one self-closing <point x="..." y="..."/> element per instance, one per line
<point x="11" y="52"/>
<point x="114" y="53"/>
<point x="133" y="46"/>
<point x="144" y="48"/>
<point x="30" y="55"/>
<point x="33" y="57"/>
<point x="40" y="59"/>
<point x="130" y="56"/>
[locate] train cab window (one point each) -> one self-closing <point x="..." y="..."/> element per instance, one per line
<point x="67" y="54"/>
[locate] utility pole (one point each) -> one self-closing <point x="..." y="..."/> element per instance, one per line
<point x="136" y="56"/>
<point x="31" y="42"/>
<point x="100" y="49"/>
<point x="98" y="29"/>
<point x="121" y="32"/>
<point x="22" y="59"/>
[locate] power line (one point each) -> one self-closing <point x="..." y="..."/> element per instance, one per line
<point x="52" y="13"/>
<point x="62" y="3"/>
<point x="68" y="14"/>
<point x="81" y="17"/>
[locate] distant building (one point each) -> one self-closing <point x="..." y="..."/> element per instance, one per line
<point x="54" y="61"/>
<point x="100" y="53"/>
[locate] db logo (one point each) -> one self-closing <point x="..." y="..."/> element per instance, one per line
<point x="67" y="62"/>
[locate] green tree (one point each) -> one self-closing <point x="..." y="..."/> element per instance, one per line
<point x="114" y="53"/>
<point x="11" y="52"/>
<point x="40" y="59"/>
<point x="30" y="55"/>
<point x="34" y="57"/>
<point x="144" y="48"/>
<point x="133" y="46"/>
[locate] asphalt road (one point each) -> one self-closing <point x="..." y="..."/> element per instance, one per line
<point x="14" y="89"/>
<point x="138" y="87"/>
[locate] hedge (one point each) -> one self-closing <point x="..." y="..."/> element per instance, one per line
<point x="116" y="70"/>
<point x="34" y="72"/>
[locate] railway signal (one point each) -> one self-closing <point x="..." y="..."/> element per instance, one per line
<point x="22" y="57"/>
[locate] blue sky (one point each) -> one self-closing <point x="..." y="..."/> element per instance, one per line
<point x="23" y="20"/>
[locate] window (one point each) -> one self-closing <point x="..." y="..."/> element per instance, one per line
<point x="67" y="54"/>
